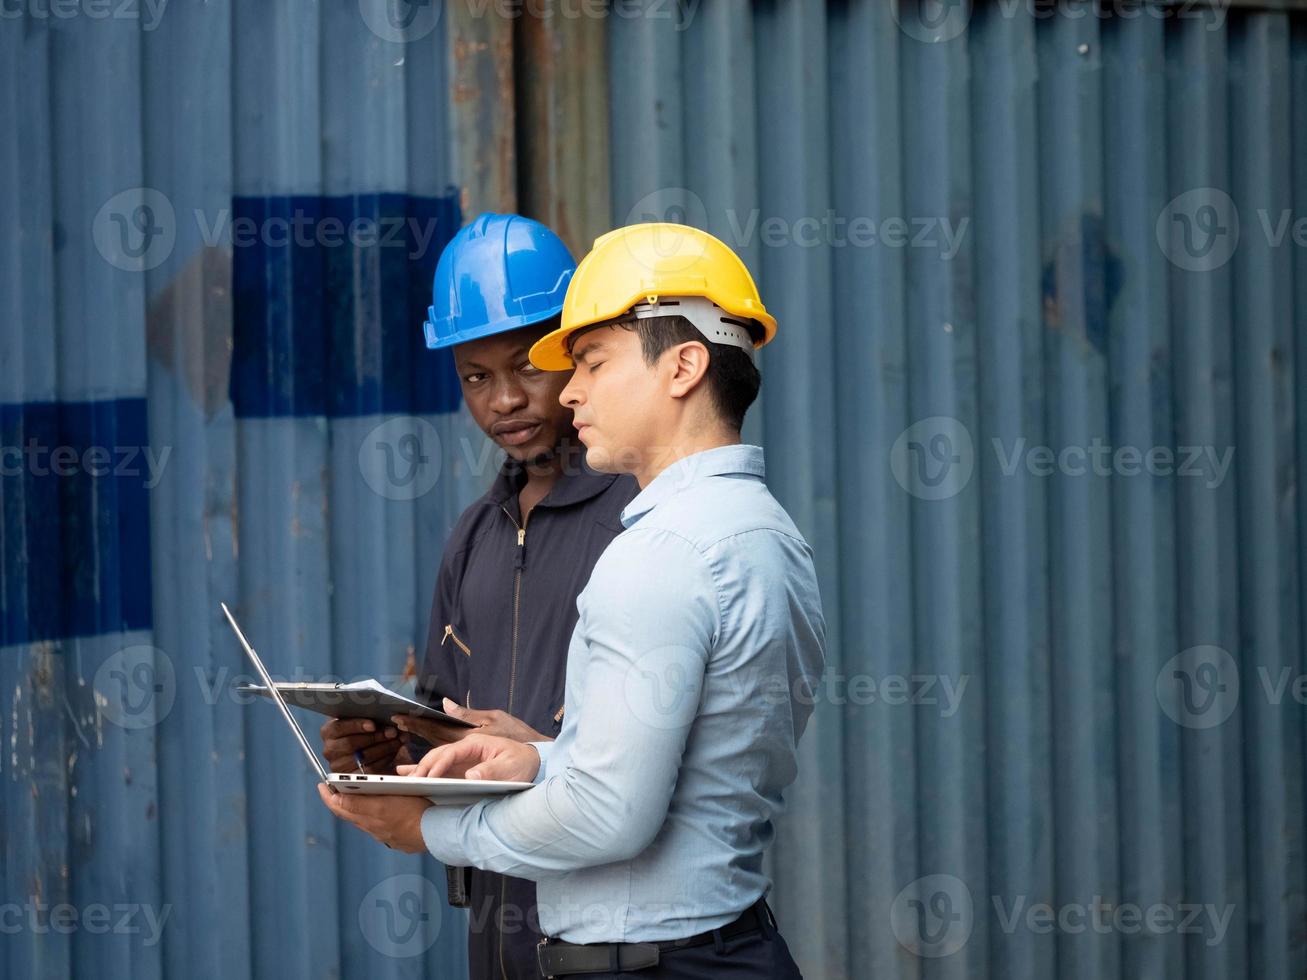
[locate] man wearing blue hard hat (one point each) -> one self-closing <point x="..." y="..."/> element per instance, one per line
<point x="505" y="599"/>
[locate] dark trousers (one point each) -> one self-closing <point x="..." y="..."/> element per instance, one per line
<point x="503" y="928"/>
<point x="755" y="955"/>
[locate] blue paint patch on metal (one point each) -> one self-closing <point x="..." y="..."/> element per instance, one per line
<point x="298" y="350"/>
<point x="190" y="803"/>
<point x="75" y="493"/>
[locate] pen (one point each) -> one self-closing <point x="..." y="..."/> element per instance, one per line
<point x="358" y="761"/>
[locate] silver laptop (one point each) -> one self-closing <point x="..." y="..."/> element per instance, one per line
<point x="447" y="792"/>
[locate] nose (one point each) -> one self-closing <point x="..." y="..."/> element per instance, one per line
<point x="571" y="396"/>
<point x="508" y="397"/>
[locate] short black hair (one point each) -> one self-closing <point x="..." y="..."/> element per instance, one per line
<point x="732" y="377"/>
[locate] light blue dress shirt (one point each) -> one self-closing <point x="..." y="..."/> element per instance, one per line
<point x="654" y="806"/>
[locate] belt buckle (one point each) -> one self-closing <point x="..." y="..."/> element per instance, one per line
<point x="540" y="959"/>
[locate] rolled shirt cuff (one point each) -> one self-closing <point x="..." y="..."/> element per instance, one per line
<point x="440" y="834"/>
<point x="442" y="826"/>
<point x="542" y="749"/>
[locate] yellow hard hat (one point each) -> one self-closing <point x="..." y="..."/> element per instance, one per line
<point x="643" y="266"/>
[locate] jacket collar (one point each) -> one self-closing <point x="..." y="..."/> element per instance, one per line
<point x="737" y="460"/>
<point x="577" y="484"/>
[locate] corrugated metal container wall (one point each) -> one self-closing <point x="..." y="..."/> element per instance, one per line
<point x="987" y="231"/>
<point x="220" y="224"/>
<point x="984" y="232"/>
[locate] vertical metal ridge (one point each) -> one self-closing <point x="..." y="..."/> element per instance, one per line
<point x="189" y="158"/>
<point x="797" y="404"/>
<point x="1010" y="346"/>
<point x="1143" y="507"/>
<point x="942" y="382"/>
<point x="1075" y="307"/>
<point x="1268" y="531"/>
<point x="34" y="804"/>
<point x="873" y="605"/>
<point x="563" y="125"/>
<point x="646" y="110"/>
<point x="1207" y="562"/>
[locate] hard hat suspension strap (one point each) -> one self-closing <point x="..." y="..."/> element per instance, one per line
<point x="706" y="316"/>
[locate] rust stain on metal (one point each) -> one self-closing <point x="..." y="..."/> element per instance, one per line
<point x="482" y="100"/>
<point x="42" y="677"/>
<point x="188" y="328"/>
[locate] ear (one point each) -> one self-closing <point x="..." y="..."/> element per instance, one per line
<point x="689" y="364"/>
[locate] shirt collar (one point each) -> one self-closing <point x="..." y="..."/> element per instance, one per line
<point x="722" y="461"/>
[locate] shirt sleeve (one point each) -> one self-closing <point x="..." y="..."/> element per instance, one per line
<point x="542" y="749"/>
<point x="648" y="639"/>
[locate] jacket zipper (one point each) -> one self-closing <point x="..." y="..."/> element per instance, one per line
<point x="518" y="565"/>
<point x="451" y="635"/>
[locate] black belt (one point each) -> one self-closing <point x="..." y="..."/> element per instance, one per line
<point x="558" y="958"/>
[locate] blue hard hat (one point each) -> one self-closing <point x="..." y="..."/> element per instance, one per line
<point x="501" y="272"/>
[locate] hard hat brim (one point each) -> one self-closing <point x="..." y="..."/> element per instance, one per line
<point x="549" y="353"/>
<point x="438" y="341"/>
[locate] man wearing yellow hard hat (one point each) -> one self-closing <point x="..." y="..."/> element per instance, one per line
<point x="646" y="828"/>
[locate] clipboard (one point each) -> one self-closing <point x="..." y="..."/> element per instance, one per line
<point x="439" y="789"/>
<point x="359" y="699"/>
